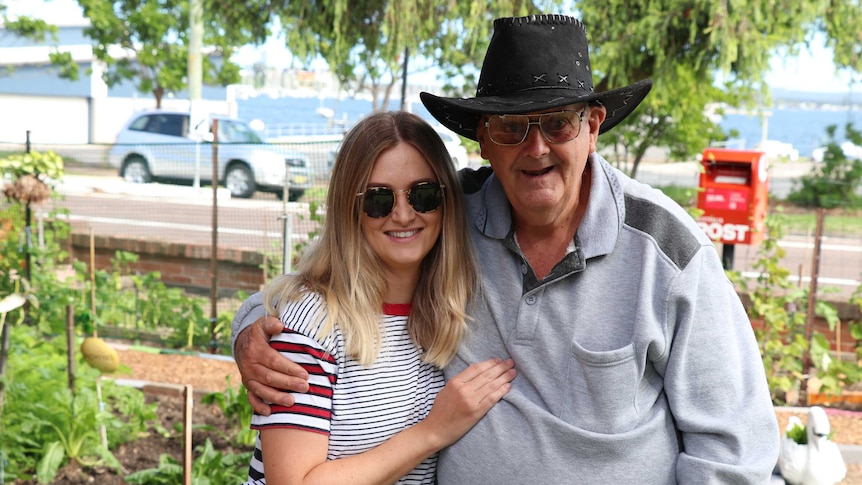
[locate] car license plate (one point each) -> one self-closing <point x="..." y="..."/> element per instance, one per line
<point x="301" y="179"/>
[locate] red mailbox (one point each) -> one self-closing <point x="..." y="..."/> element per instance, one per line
<point x="733" y="195"/>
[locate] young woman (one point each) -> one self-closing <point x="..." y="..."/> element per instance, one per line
<point x="376" y="309"/>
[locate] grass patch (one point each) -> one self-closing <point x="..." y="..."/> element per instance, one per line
<point x="836" y="223"/>
<point x="684" y="196"/>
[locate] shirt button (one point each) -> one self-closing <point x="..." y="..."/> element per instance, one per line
<point x="523" y="269"/>
<point x="531" y="299"/>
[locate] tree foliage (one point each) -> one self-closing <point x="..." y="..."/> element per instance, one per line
<point x="841" y="24"/>
<point x="37" y="30"/>
<point x="833" y="182"/>
<point x="367" y="42"/>
<point x="26" y="27"/>
<point x="146" y="42"/>
<point x="685" y="46"/>
<point x="699" y="53"/>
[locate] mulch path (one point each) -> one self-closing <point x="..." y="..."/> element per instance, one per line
<point x="204" y="374"/>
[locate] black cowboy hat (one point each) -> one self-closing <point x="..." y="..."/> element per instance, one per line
<point x="534" y="63"/>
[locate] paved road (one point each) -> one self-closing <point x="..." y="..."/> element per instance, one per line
<point x="98" y="198"/>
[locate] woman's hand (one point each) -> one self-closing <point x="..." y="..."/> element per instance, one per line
<point x="466" y="398"/>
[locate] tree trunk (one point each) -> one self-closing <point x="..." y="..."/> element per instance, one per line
<point x="640" y="151"/>
<point x="642" y="147"/>
<point x="158" y="93"/>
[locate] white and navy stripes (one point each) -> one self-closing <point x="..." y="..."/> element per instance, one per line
<point x="358" y="407"/>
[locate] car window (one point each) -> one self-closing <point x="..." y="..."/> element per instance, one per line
<point x="140" y="123"/>
<point x="230" y="131"/>
<point x="161" y="123"/>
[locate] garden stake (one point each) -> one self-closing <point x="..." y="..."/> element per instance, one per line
<point x="838" y="339"/>
<point x="103" y="432"/>
<point x="266" y="245"/>
<point x="70" y="346"/>
<point x="93" y="281"/>
<point x="214" y="255"/>
<point x="812" y="301"/>
<point x="187" y="434"/>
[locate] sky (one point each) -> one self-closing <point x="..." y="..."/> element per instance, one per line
<point x="812" y="71"/>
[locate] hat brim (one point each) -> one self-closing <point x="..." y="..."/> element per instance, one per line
<point x="462" y="115"/>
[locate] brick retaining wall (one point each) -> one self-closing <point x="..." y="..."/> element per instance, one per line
<point x="183" y="265"/>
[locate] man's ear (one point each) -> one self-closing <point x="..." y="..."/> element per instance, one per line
<point x="481" y="137"/>
<point x="595" y="118"/>
<point x="482" y="150"/>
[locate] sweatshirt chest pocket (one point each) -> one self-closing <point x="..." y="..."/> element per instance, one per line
<point x="601" y="390"/>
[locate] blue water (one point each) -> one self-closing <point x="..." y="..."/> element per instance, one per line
<point x="805" y="129"/>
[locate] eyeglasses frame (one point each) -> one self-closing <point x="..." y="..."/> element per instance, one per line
<point x="538" y="123"/>
<point x="395" y="193"/>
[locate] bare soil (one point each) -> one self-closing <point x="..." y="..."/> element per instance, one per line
<point x="209" y="375"/>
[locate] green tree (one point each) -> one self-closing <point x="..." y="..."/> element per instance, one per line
<point x="146" y="41"/>
<point x="685" y="46"/>
<point x="699" y="53"/>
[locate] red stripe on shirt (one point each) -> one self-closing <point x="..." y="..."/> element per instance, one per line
<point x="304" y="410"/>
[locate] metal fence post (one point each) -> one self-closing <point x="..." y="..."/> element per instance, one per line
<point x="287" y="250"/>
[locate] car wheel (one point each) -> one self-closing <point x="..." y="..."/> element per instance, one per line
<point x="136" y="171"/>
<point x="294" y="194"/>
<point x="239" y="181"/>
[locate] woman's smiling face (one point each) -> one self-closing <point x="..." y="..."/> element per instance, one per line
<point x="404" y="237"/>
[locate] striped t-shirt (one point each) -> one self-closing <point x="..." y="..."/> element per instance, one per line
<point x="358" y="407"/>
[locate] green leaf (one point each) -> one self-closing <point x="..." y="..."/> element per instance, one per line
<point x="798" y="434"/>
<point x="828" y="312"/>
<point x="52" y="457"/>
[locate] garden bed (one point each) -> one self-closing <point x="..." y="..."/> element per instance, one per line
<point x="162" y="377"/>
<point x="210" y="374"/>
<point x="166" y="373"/>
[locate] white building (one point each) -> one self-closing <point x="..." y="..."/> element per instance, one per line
<point x="58" y="111"/>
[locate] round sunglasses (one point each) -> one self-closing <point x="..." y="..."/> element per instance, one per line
<point x="424" y="197"/>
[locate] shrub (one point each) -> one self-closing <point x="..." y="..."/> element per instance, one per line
<point x="834" y="181"/>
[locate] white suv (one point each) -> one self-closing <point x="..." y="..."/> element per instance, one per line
<point x="156" y="145"/>
<point x="454" y="147"/>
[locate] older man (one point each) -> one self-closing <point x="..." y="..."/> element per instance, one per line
<point x="637" y="362"/>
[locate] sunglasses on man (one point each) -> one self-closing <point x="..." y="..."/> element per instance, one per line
<point x="424" y="197"/>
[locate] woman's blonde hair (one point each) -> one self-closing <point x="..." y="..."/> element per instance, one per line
<point x="343" y="268"/>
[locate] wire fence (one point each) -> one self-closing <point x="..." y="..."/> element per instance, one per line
<point x="176" y="208"/>
<point x="175" y="204"/>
